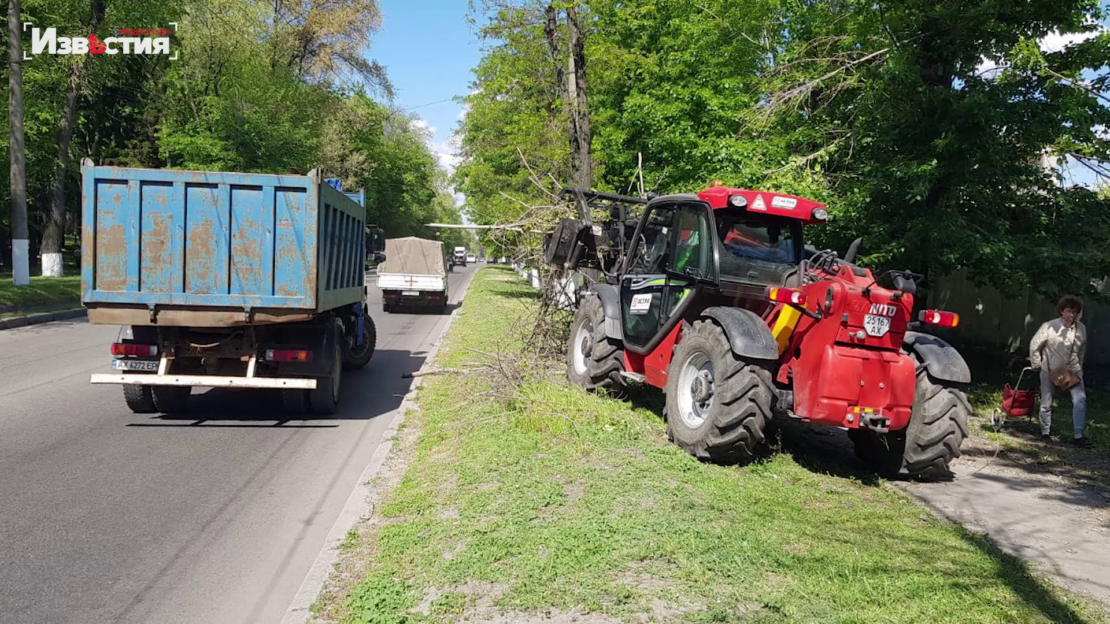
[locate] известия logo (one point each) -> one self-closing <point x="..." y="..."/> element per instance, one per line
<point x="126" y="41"/>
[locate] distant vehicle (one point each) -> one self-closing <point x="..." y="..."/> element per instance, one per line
<point x="414" y="274"/>
<point x="471" y="258"/>
<point x="460" y="257"/>
<point x="241" y="280"/>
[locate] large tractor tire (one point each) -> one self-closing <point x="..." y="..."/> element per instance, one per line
<point x="594" y="360"/>
<point x="359" y="356"/>
<point x="937" y="429"/>
<point x="718" y="405"/>
<point x="139" y="399"/>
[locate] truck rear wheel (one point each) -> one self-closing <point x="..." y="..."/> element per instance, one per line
<point x="139" y="399"/>
<point x="937" y="429"/>
<point x="171" y="399"/>
<point x="295" y="402"/>
<point x="594" y="361"/>
<point x="325" y="398"/>
<point x="718" y="405"/>
<point x="359" y="356"/>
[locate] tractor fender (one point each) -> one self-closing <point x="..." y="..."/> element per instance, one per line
<point x="748" y="335"/>
<point x="941" y="359"/>
<point x="611" y="303"/>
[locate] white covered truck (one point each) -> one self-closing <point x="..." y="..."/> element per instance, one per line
<point x="414" y="274"/>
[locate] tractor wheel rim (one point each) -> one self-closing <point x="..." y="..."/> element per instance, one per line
<point x="695" y="390"/>
<point x="581" y="347"/>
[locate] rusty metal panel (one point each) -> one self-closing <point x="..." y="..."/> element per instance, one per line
<point x="164" y="240"/>
<point x="206" y="233"/>
<point x="111" y="219"/>
<point x="162" y="228"/>
<point x="88" y="228"/>
<point x="292" y="250"/>
<point x="252" y="241"/>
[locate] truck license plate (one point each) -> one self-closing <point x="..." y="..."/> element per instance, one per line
<point x="410" y="293"/>
<point x="135" y="365"/>
<point x="876" y="325"/>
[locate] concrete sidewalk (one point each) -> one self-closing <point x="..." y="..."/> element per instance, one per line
<point x="42" y="317"/>
<point x="1058" y="524"/>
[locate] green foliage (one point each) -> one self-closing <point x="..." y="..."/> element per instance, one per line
<point x="922" y="124"/>
<point x="248" y="93"/>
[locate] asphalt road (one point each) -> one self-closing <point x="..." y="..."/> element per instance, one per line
<point x="109" y="516"/>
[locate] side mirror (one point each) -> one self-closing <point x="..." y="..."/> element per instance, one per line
<point x="905" y="283"/>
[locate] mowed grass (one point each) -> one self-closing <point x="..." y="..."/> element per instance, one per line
<point x="40" y="292"/>
<point x="552" y="501"/>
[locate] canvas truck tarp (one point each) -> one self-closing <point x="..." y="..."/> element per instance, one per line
<point x="413" y="256"/>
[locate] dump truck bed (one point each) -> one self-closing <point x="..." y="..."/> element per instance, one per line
<point x="206" y="248"/>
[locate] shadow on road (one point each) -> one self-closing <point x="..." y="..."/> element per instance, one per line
<point x="367" y="393"/>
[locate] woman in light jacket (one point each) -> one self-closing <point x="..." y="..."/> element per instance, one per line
<point x="1058" y="343"/>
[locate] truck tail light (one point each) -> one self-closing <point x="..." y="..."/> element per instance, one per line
<point x="288" y="355"/>
<point x="126" y="348"/>
<point x="787" y="296"/>
<point x="937" y="317"/>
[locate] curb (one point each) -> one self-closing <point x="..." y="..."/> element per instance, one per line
<point x="45" y="317"/>
<point x="360" y="503"/>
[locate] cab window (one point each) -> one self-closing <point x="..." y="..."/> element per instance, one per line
<point x="757" y="247"/>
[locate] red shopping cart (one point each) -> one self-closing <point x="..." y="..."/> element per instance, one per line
<point x="1016" y="403"/>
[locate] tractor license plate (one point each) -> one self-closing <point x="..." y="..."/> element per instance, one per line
<point x="410" y="293"/>
<point x="876" y="325"/>
<point x="135" y="365"/>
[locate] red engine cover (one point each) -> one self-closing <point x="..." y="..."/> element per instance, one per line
<point x="835" y="365"/>
<point x="833" y="380"/>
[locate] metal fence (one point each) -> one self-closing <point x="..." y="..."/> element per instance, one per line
<point x="990" y="320"/>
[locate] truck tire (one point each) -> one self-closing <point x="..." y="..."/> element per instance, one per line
<point x="295" y="402"/>
<point x="171" y="399"/>
<point x="718" y="404"/>
<point x="938" y="426"/>
<point x="325" y="398"/>
<point x="139" y="399"/>
<point x="357" y="357"/>
<point x="594" y="361"/>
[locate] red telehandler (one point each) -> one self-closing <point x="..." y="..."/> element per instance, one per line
<point x="715" y="299"/>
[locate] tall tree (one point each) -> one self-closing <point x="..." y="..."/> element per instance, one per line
<point x="20" y="237"/>
<point x="53" y="236"/>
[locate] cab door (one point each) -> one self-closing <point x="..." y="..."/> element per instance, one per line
<point x="672" y="253"/>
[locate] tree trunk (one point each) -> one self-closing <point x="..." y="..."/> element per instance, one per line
<point x="551" y="33"/>
<point x="53" y="235"/>
<point x="20" y="257"/>
<point x="581" y="161"/>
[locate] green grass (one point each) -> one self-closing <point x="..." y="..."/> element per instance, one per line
<point x="539" y="497"/>
<point x="40" y="292"/>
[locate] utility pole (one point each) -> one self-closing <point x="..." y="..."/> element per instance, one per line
<point x="20" y="239"/>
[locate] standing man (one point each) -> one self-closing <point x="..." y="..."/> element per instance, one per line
<point x="1058" y="350"/>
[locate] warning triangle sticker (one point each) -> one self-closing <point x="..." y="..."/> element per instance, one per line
<point x="758" y="203"/>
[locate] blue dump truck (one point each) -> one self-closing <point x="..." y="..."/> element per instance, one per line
<point x="225" y="280"/>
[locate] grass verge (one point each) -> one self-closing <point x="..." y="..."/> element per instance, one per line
<point x="41" y="291"/>
<point x="551" y="505"/>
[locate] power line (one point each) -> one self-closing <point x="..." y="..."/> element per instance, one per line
<point x="450" y="99"/>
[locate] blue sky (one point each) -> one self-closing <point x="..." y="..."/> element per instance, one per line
<point x="428" y="51"/>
